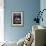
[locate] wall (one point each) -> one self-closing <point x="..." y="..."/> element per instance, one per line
<point x="43" y="6"/>
<point x="1" y="20"/>
<point x="30" y="7"/>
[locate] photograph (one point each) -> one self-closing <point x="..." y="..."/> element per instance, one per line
<point x="17" y="18"/>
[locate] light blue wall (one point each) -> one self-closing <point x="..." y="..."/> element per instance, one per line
<point x="29" y="7"/>
<point x="43" y="6"/>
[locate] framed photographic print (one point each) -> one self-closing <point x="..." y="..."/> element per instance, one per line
<point x="17" y="18"/>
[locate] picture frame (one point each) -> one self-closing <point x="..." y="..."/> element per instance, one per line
<point x="17" y="18"/>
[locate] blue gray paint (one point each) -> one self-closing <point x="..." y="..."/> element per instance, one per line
<point x="30" y="7"/>
<point x="43" y="6"/>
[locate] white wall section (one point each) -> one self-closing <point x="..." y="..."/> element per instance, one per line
<point x="1" y="20"/>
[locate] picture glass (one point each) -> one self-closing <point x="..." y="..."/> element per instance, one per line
<point x="16" y="18"/>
